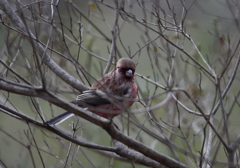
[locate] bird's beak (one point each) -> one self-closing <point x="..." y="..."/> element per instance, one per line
<point x="129" y="73"/>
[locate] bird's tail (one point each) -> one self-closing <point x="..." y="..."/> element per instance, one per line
<point x="57" y="120"/>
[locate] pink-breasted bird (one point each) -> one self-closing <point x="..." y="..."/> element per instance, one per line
<point x="110" y="95"/>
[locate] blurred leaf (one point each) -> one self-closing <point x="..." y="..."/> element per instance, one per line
<point x="195" y="92"/>
<point x="199" y="47"/>
<point x="92" y="5"/>
<point x="8" y="62"/>
<point x="91" y="40"/>
<point x="176" y="37"/>
<point x="155" y="49"/>
<point x="221" y="40"/>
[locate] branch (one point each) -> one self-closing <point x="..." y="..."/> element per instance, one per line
<point x="163" y="159"/>
<point x="27" y="90"/>
<point x="209" y="144"/>
<point x="229" y="84"/>
<point x="136" y="156"/>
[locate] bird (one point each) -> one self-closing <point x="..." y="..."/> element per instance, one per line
<point x="109" y="96"/>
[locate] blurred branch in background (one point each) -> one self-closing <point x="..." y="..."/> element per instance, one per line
<point x="187" y="109"/>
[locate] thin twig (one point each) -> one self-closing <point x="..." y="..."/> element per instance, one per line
<point x="114" y="38"/>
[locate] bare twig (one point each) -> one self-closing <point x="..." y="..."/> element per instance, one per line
<point x="114" y="38"/>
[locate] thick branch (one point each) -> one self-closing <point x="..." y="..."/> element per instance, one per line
<point x="163" y="159"/>
<point x="136" y="156"/>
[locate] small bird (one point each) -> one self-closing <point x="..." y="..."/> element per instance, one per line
<point x="110" y="95"/>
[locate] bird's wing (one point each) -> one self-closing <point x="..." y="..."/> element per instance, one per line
<point x="91" y="97"/>
<point x="94" y="97"/>
<point x="122" y="91"/>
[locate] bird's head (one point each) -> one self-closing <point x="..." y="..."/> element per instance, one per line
<point x="126" y="67"/>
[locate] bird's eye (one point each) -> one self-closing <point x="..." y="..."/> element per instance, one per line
<point x="120" y="69"/>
